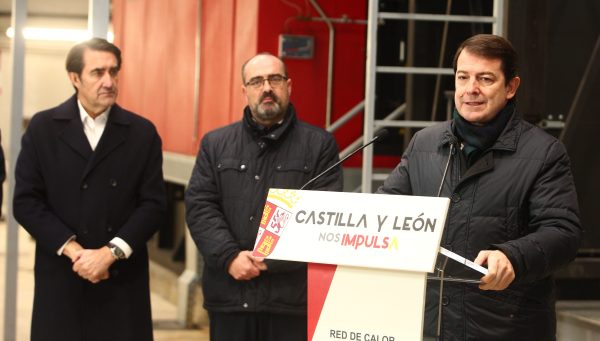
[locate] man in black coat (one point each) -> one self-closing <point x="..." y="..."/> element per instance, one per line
<point x="89" y="189"/>
<point x="513" y="202"/>
<point x="249" y="299"/>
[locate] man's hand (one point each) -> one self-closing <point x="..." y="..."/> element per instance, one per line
<point x="245" y="266"/>
<point x="500" y="270"/>
<point x="71" y="250"/>
<point x="260" y="263"/>
<point x="93" y="264"/>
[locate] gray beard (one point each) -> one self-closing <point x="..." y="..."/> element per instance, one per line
<point x="269" y="113"/>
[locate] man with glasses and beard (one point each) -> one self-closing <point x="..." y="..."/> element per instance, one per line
<point x="251" y="299"/>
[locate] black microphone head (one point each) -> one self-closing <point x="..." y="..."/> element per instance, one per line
<point x="382" y="133"/>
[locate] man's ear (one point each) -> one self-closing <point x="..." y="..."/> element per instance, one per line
<point x="74" y="78"/>
<point x="512" y="86"/>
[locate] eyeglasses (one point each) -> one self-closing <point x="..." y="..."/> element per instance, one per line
<point x="275" y="81"/>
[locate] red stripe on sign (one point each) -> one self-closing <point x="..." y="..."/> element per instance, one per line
<point x="319" y="281"/>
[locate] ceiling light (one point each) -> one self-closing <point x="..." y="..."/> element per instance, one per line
<point x="55" y="34"/>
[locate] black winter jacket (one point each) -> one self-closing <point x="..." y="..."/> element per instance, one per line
<point x="234" y="169"/>
<point x="518" y="197"/>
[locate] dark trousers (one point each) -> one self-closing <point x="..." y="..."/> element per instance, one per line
<point x="256" y="327"/>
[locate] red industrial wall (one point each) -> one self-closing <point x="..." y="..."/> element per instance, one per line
<point x="158" y="42"/>
<point x="157" y="80"/>
<point x="309" y="93"/>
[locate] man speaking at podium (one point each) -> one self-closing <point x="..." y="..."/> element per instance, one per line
<point x="513" y="202"/>
<point x="248" y="299"/>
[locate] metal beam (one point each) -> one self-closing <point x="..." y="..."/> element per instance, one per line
<point x="404" y="124"/>
<point x="437" y="17"/>
<point x="99" y="18"/>
<point x="367" y="168"/>
<point x="499" y="25"/>
<point x="19" y="16"/>
<point x="330" y="58"/>
<point x="346" y="117"/>
<point x="416" y="70"/>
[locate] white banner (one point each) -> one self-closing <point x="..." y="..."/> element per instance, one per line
<point x="367" y="230"/>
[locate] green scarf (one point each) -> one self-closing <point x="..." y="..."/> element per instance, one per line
<point x="477" y="139"/>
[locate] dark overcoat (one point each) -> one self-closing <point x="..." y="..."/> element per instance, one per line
<point x="63" y="188"/>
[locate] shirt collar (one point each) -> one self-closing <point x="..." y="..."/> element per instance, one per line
<point x="83" y="114"/>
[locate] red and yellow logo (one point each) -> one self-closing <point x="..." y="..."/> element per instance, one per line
<point x="274" y="220"/>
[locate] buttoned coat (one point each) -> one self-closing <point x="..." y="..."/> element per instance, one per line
<point x="63" y="188"/>
<point x="235" y="167"/>
<point x="518" y="197"/>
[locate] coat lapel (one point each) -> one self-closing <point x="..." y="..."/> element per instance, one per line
<point x="113" y="136"/>
<point x="73" y="134"/>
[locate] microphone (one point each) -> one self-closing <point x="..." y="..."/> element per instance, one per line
<point x="381" y="134"/>
<point x="453" y="145"/>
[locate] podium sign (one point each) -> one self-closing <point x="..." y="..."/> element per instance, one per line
<point x="384" y="244"/>
<point x="368" y="230"/>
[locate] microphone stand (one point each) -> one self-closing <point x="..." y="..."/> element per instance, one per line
<point x="382" y="134"/>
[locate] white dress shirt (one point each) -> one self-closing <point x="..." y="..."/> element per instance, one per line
<point x="93" y="129"/>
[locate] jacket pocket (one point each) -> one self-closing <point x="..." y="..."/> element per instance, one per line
<point x="501" y="315"/>
<point x="231" y="164"/>
<point x="293" y="166"/>
<point x="232" y="175"/>
<point x="291" y="173"/>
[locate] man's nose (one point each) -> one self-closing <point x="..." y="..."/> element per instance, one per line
<point x="472" y="85"/>
<point x="108" y="81"/>
<point x="266" y="86"/>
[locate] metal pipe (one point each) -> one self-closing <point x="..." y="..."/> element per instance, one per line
<point x="415" y="70"/>
<point x="498" y="25"/>
<point x="583" y="89"/>
<point x="411" y="16"/>
<point x="343" y="20"/>
<point x="329" y="62"/>
<point x="380" y="176"/>
<point x="360" y="140"/>
<point x="438" y="78"/>
<point x="98" y="18"/>
<point x="410" y="62"/>
<point x="19" y="16"/>
<point x="370" y="75"/>
<point x="404" y="124"/>
<point x="346" y="117"/>
<point x="439" y="317"/>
